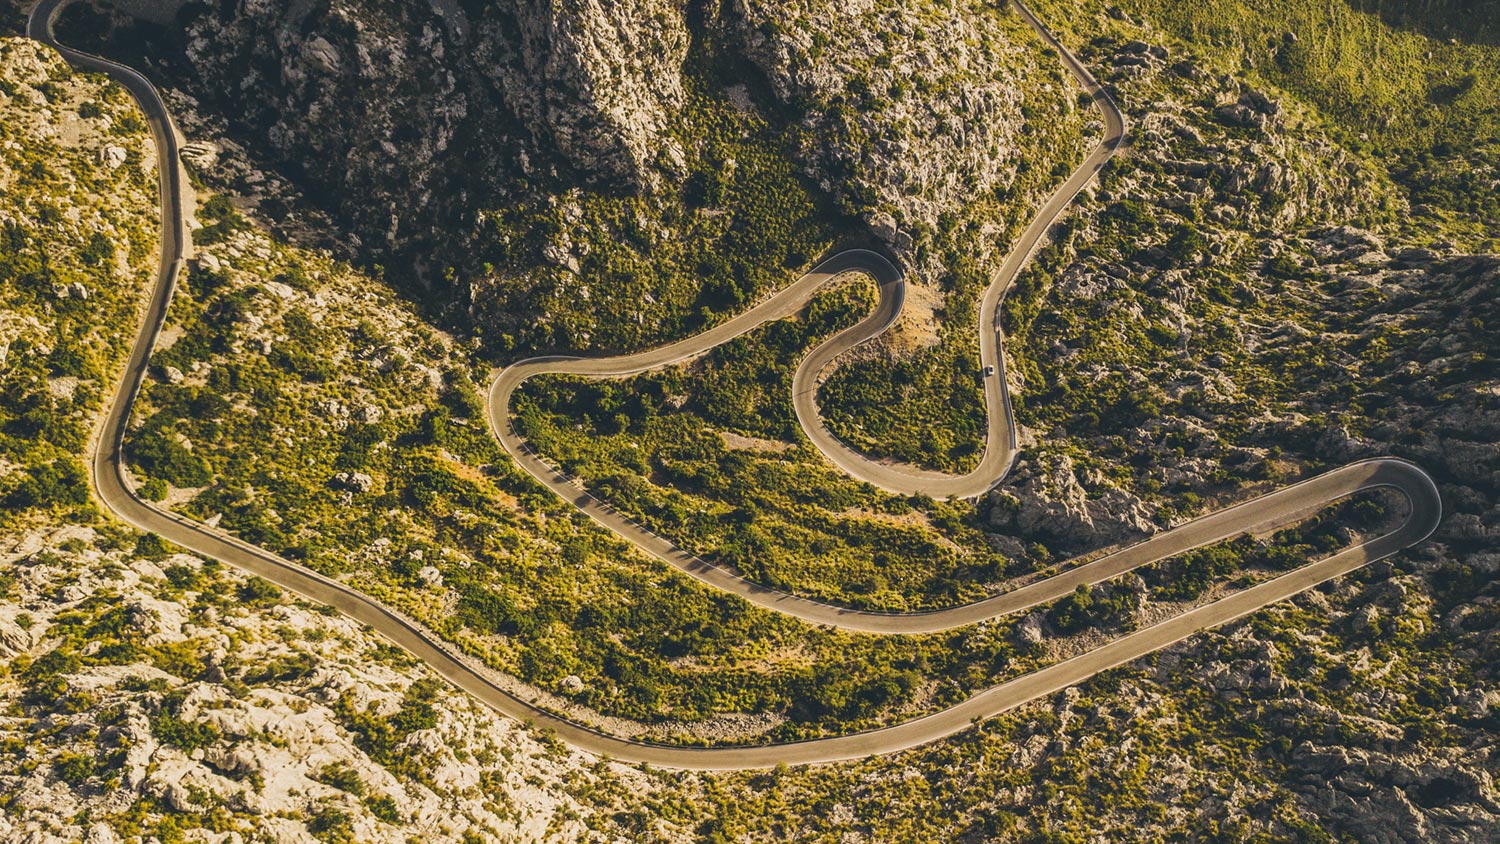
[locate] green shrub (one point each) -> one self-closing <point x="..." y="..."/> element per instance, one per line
<point x="75" y="769"/>
<point x="59" y="483"/>
<point x="341" y="776"/>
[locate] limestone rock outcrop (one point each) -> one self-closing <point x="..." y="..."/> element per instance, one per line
<point x="401" y="115"/>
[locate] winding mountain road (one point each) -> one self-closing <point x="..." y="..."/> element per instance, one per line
<point x="1281" y="507"/>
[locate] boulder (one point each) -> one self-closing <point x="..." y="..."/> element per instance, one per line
<point x="357" y="482"/>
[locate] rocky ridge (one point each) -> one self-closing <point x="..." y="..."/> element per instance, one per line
<point x="411" y="121"/>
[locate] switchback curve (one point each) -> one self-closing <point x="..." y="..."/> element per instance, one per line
<point x="107" y="469"/>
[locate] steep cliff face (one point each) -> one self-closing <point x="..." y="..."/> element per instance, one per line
<point x="364" y="102"/>
<point x="402" y="114"/>
<point x="918" y="106"/>
<point x="601" y="80"/>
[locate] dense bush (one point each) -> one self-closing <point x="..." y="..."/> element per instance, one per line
<point x="673" y="262"/>
<point x="62" y="482"/>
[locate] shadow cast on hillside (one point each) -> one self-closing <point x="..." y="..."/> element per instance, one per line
<point x="1464" y="21"/>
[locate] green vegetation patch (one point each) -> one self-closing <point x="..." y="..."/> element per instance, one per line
<point x="711" y="456"/>
<point x="602" y="270"/>
<point x="75" y="246"/>
<point x="1414" y="89"/>
<point x="925" y="407"/>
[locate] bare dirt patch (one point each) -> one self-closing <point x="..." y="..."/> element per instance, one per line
<point x="918" y="326"/>
<point x="743" y="443"/>
<point x="914" y="519"/>
<point x="475" y="475"/>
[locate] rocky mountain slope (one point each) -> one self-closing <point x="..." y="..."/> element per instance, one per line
<point x="916" y="109"/>
<point x="418" y="125"/>
<point x="151" y="694"/>
<point x="147" y="695"/>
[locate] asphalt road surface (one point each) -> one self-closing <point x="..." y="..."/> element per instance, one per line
<point x="1281" y="507"/>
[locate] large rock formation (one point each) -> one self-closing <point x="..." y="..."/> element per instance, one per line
<point x="402" y="115"/>
<point x="1048" y="498"/>
<point x="918" y="107"/>
<point x="601" y="80"/>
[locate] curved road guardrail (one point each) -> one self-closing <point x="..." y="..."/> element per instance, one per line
<point x="1277" y="508"/>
